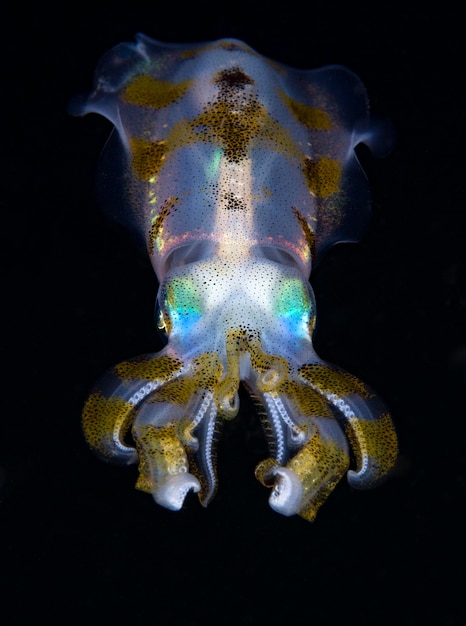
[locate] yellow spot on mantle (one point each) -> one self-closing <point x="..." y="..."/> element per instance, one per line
<point x="231" y="125"/>
<point x="312" y="117"/>
<point x="148" y="157"/>
<point x="307" y="231"/>
<point x="157" y="226"/>
<point x="147" y="91"/>
<point x="322" y="176"/>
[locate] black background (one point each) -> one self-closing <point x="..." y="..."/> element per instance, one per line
<point x="79" y="544"/>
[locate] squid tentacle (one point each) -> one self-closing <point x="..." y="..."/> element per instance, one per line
<point x="365" y="418"/>
<point x="317" y="451"/>
<point x="311" y="425"/>
<point x="109" y="411"/>
<point x="172" y="422"/>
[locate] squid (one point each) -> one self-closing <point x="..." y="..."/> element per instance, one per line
<point x="236" y="173"/>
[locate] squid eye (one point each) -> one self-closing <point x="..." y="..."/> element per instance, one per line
<point x="181" y="304"/>
<point x="294" y="306"/>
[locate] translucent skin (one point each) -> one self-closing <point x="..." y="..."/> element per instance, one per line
<point x="236" y="173"/>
